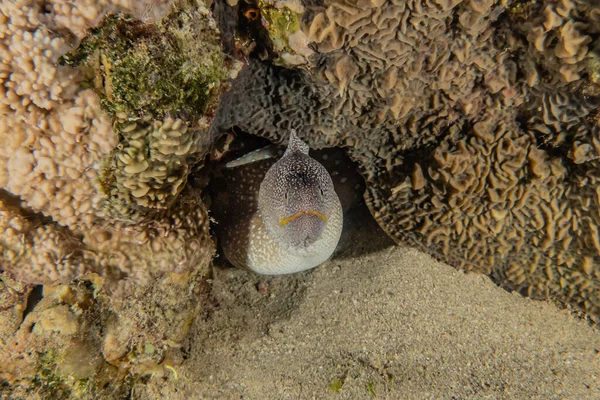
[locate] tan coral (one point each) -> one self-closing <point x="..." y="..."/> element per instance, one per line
<point x="389" y="37"/>
<point x="558" y="51"/>
<point x="153" y="164"/>
<point x="78" y="16"/>
<point x="54" y="134"/>
<point x="116" y="265"/>
<point x="52" y="334"/>
<point x="54" y="165"/>
<point x="520" y="228"/>
<point x="56" y="348"/>
<point x="36" y="251"/>
<point x="55" y="145"/>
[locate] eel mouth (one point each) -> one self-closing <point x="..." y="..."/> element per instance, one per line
<point x="287" y="220"/>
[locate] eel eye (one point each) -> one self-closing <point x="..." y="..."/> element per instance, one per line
<point x="320" y="194"/>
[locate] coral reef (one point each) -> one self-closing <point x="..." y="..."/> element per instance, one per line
<point x="76" y="339"/>
<point x="162" y="83"/>
<point x="149" y="168"/>
<point x="93" y="199"/>
<point x="474" y="124"/>
<point x="174" y="66"/>
<point x="59" y="135"/>
<point x="62" y="329"/>
<point x="63" y="158"/>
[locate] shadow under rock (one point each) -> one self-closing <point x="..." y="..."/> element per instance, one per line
<point x="361" y="234"/>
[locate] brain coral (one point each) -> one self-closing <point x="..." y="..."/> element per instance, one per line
<point x="474" y="123"/>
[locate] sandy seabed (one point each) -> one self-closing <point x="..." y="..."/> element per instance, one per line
<point x="385" y="322"/>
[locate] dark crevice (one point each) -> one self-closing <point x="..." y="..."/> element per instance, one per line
<point x="421" y="156"/>
<point x="227" y="20"/>
<point x="15" y="201"/>
<point x="242" y="33"/>
<point x="35" y="296"/>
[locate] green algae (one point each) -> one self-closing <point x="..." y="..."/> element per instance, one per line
<point x="593" y="69"/>
<point x="336" y="384"/>
<point x="173" y="67"/>
<point x="521" y="9"/>
<point x="279" y="23"/>
<point x="51" y="384"/>
<point x="46" y="379"/>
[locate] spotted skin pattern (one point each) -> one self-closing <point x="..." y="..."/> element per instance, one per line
<point x="245" y="238"/>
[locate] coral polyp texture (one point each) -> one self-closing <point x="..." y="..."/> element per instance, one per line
<point x="95" y="150"/>
<point x="475" y="125"/>
<point x="161" y="83"/>
<point x="79" y="167"/>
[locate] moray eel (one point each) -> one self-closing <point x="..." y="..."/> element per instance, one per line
<point x="278" y="217"/>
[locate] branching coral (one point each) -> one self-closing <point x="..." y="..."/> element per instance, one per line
<point x="54" y="134"/>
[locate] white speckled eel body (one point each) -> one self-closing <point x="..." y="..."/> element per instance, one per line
<point x="264" y="255"/>
<point x="245" y="240"/>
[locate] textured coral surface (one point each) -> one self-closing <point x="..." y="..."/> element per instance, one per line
<point x="93" y="204"/>
<point x="475" y="124"/>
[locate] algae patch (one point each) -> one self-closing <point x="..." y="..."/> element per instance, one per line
<point x="47" y="379"/>
<point x="336" y="384"/>
<point x="175" y="66"/>
<point x="280" y="23"/>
